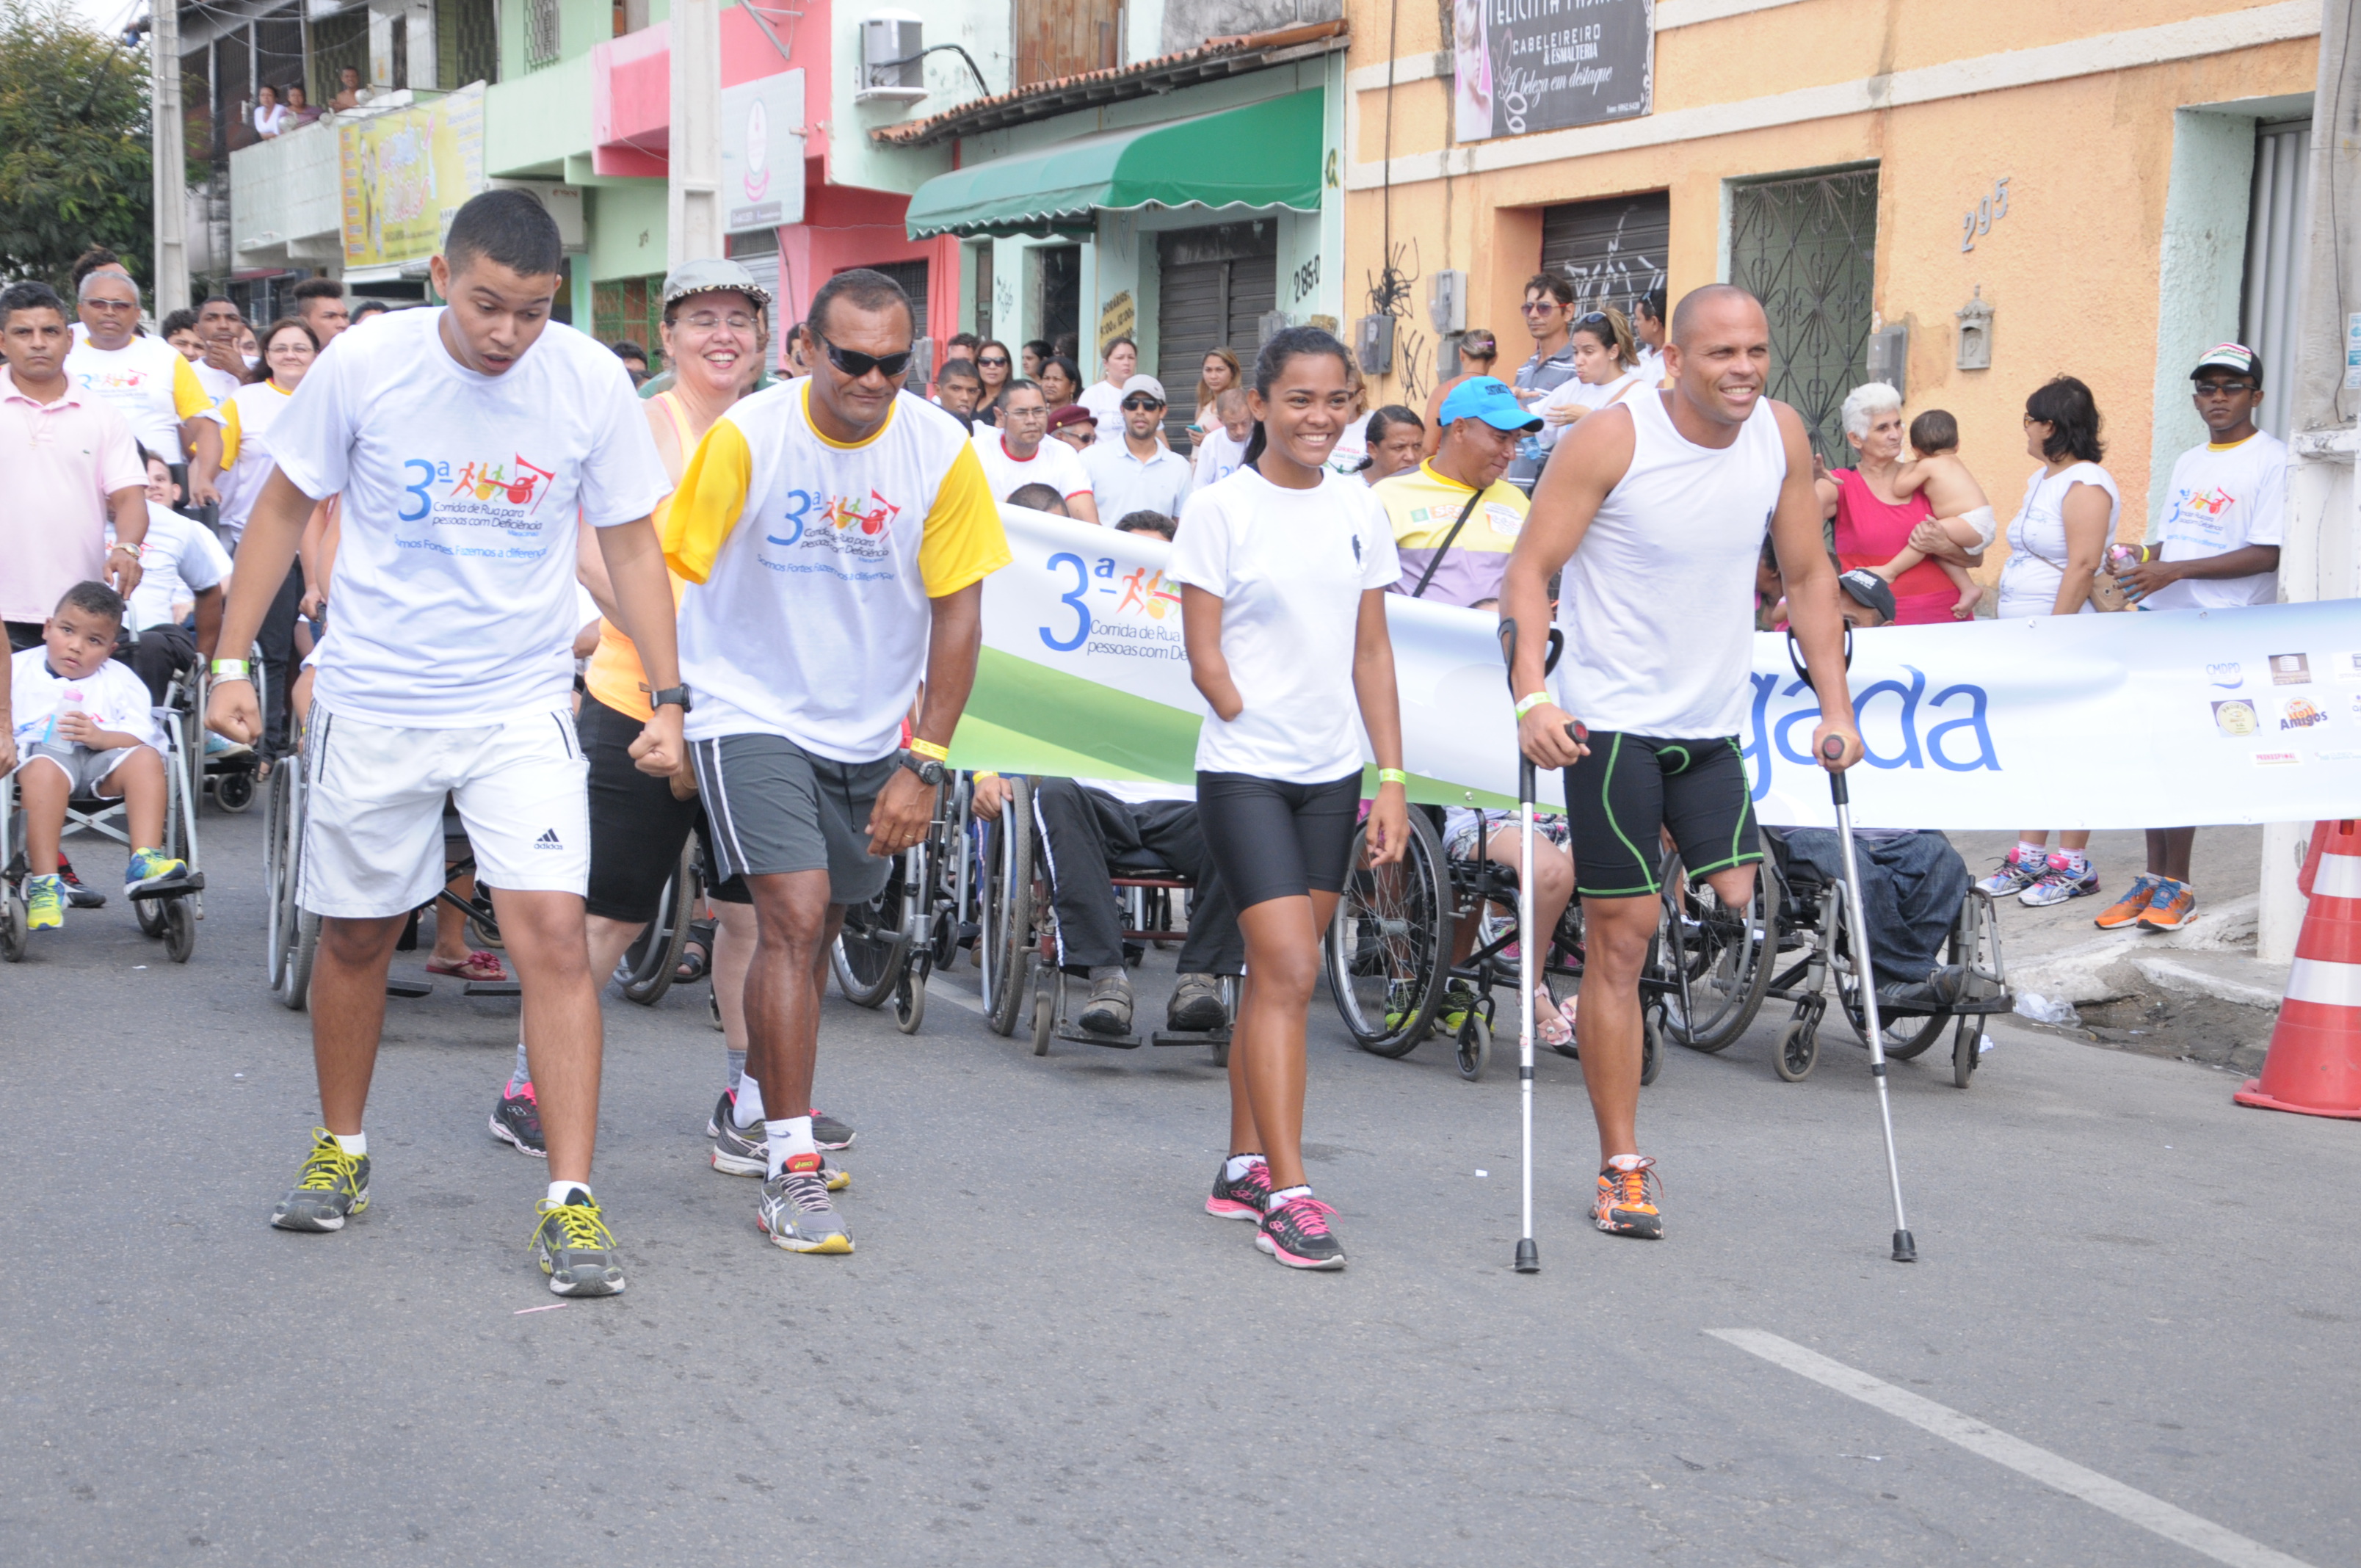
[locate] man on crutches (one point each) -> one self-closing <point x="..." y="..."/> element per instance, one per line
<point x="1655" y="510"/>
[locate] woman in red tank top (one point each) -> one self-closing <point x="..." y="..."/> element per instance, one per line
<point x="1872" y="528"/>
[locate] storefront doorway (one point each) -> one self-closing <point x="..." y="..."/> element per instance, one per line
<point x="1213" y="287"/>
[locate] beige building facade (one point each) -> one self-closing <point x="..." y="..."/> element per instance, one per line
<point x="1968" y="196"/>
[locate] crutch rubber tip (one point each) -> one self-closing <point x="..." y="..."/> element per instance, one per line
<point x="1904" y="1249"/>
<point x="1529" y="1257"/>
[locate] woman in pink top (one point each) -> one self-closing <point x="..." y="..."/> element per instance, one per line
<point x="1872" y="526"/>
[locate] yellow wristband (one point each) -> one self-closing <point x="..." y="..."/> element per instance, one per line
<point x="982" y="774"/>
<point x="1392" y="775"/>
<point x="929" y="748"/>
<point x="1527" y="704"/>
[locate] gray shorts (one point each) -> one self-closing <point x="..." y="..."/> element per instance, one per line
<point x="775" y="807"/>
<point x="85" y="770"/>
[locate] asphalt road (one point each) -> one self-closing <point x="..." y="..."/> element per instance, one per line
<point x="1044" y="1352"/>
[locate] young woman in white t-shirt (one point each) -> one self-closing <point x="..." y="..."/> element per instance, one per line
<point x="1283" y="569"/>
<point x="2055" y="547"/>
<point x="1606" y="371"/>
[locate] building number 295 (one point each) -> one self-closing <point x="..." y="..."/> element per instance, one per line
<point x="1980" y="217"/>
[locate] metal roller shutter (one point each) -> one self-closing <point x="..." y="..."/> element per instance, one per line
<point x="1614" y="251"/>
<point x="912" y="276"/>
<point x="2276" y="228"/>
<point x="1203" y="304"/>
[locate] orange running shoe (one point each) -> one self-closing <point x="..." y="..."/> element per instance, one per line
<point x="1625" y="1206"/>
<point x="2126" y="910"/>
<point x="2170" y="909"/>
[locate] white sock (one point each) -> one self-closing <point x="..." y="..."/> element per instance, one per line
<point x="523" y="1076"/>
<point x="2030" y="853"/>
<point x="355" y="1145"/>
<point x="747" y="1109"/>
<point x="1286" y="1195"/>
<point x="787" y="1139"/>
<point x="563" y="1192"/>
<point x="1239" y="1164"/>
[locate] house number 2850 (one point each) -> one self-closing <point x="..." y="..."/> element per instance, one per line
<point x="1980" y="217"/>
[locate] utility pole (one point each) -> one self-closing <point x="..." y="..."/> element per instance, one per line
<point x="693" y="177"/>
<point x="168" y="159"/>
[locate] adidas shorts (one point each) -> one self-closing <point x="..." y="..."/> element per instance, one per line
<point x="373" y="829"/>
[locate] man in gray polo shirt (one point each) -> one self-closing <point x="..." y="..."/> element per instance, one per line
<point x="1138" y="473"/>
<point x="1549" y="314"/>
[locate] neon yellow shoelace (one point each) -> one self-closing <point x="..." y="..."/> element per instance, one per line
<point x="580" y="1224"/>
<point x="328" y="1165"/>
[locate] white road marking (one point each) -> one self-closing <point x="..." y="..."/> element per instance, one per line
<point x="2058" y="1474"/>
<point x="937" y="986"/>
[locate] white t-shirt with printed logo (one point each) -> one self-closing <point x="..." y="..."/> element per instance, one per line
<point x="179" y="559"/>
<point x="811" y="563"/>
<point x="1289" y="567"/>
<point x="148" y="383"/>
<point x="454" y="570"/>
<point x="246" y="416"/>
<point x="2222" y="499"/>
<point x="112" y="695"/>
<point x="1053" y="463"/>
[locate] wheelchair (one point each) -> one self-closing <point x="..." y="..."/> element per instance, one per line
<point x="925" y="913"/>
<point x="1387" y="954"/>
<point x="1017" y="930"/>
<point x="1810" y="921"/>
<point x="170" y="912"/>
<point x="291" y="939"/>
<point x="649" y="966"/>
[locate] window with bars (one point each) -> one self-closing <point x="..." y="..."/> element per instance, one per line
<point x="1807" y="249"/>
<point x="467" y="42"/>
<point x="540" y="34"/>
<point x="630" y="308"/>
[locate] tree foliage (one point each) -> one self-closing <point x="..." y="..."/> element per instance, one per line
<point x="73" y="143"/>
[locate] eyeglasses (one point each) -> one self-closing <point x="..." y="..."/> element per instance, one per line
<point x="2030" y="421"/>
<point x="1596" y="318"/>
<point x="1000" y="363"/>
<point x="860" y="365"/>
<point x="1540" y="307"/>
<point x="736" y="321"/>
<point x="1133" y="405"/>
<point x="2225" y="389"/>
<point x="110" y="306"/>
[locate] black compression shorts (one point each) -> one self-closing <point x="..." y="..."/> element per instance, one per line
<point x="1630" y="787"/>
<point x="637" y="828"/>
<point x="1272" y="839"/>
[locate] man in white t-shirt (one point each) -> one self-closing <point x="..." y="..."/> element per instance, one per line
<point x="1655" y="511"/>
<point x="1019" y="453"/>
<point x="182" y="569"/>
<point x="836" y="531"/>
<point x="220" y="367"/>
<point x="1138" y="473"/>
<point x="2216" y="547"/>
<point x="465" y="441"/>
<point x="146" y="381"/>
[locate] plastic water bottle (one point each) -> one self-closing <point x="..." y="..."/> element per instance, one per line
<point x="72" y="703"/>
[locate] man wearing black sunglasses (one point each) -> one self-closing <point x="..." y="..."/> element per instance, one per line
<point x="1549" y="315"/>
<point x="841" y="531"/>
<point x="1137" y="473"/>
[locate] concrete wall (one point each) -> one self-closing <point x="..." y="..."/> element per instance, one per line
<point x="2080" y="116"/>
<point x="627" y="230"/>
<point x="1188" y="23"/>
<point x="287" y="191"/>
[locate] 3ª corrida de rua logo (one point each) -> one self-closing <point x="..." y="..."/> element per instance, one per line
<point x="857" y="530"/>
<point x="476" y="495"/>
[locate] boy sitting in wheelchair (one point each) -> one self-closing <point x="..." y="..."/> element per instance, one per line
<point x="83" y="729"/>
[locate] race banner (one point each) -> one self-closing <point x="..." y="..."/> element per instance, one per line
<point x="2172" y="719"/>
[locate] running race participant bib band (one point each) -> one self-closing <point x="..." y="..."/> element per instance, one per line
<point x="454" y="575"/>
<point x="813" y="562"/>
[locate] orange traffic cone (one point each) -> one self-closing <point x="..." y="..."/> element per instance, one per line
<point x="2314" y="1064"/>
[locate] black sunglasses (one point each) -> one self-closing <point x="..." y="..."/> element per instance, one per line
<point x="993" y="364"/>
<point x="860" y="365"/>
<point x="1133" y="404"/>
<point x="1595" y="317"/>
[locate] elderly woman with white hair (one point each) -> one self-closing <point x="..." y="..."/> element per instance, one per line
<point x="1874" y="519"/>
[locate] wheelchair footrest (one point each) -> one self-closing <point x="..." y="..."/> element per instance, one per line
<point x="1190" y="1037"/>
<point x="492" y="988"/>
<point x="1081" y="1037"/>
<point x="397" y="986"/>
<point x="172" y="887"/>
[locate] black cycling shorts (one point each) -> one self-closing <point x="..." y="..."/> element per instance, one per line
<point x="1272" y="839"/>
<point x="637" y="828"/>
<point x="1631" y="787"/>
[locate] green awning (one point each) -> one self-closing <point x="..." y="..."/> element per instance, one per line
<point x="1265" y="155"/>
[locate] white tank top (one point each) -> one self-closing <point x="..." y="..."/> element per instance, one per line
<point x="1658" y="600"/>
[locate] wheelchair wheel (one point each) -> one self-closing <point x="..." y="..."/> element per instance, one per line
<point x="149" y="913"/>
<point x="1905" y="1038"/>
<point x="1471" y="1052"/>
<point x="1798" y="1050"/>
<point x="1007" y="916"/>
<point x="1651" y="1046"/>
<point x="234" y="791"/>
<point x="1966" y="1049"/>
<point x="1387" y="949"/>
<point x="279" y="846"/>
<point x="870" y="951"/>
<point x="910" y="992"/>
<point x="648" y="965"/>
<point x="295" y="987"/>
<point x="1046" y="981"/>
<point x="1726" y="954"/>
<point x="179" y="929"/>
<point x="14" y="930"/>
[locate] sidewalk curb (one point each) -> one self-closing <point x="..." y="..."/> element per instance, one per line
<point x="2106" y="966"/>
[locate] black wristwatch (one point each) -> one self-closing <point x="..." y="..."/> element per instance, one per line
<point x="670" y="693"/>
<point x="930" y="773"/>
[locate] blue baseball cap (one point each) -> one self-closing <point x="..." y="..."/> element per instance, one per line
<point x="1488" y="398"/>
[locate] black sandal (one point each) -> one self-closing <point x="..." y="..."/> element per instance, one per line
<point x="696" y="955"/>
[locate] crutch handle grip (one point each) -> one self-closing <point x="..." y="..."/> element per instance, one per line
<point x="1578" y="732"/>
<point x="1833" y="748"/>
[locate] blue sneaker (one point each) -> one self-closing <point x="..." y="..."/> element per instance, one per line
<point x="45" y="902"/>
<point x="149" y="867"/>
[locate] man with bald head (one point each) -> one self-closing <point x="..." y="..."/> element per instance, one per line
<point x="1655" y="508"/>
<point x="145" y="381"/>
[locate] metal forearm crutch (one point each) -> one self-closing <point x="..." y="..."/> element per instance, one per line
<point x="1529" y="1257"/>
<point x="1906" y="1249"/>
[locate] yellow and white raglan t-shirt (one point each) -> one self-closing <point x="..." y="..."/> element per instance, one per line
<point x="811" y="563"/>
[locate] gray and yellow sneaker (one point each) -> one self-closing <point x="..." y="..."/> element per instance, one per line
<point x="827" y="1131"/>
<point x="574" y="1248"/>
<point x="746" y="1151"/>
<point x="795" y="1213"/>
<point x="333" y="1186"/>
